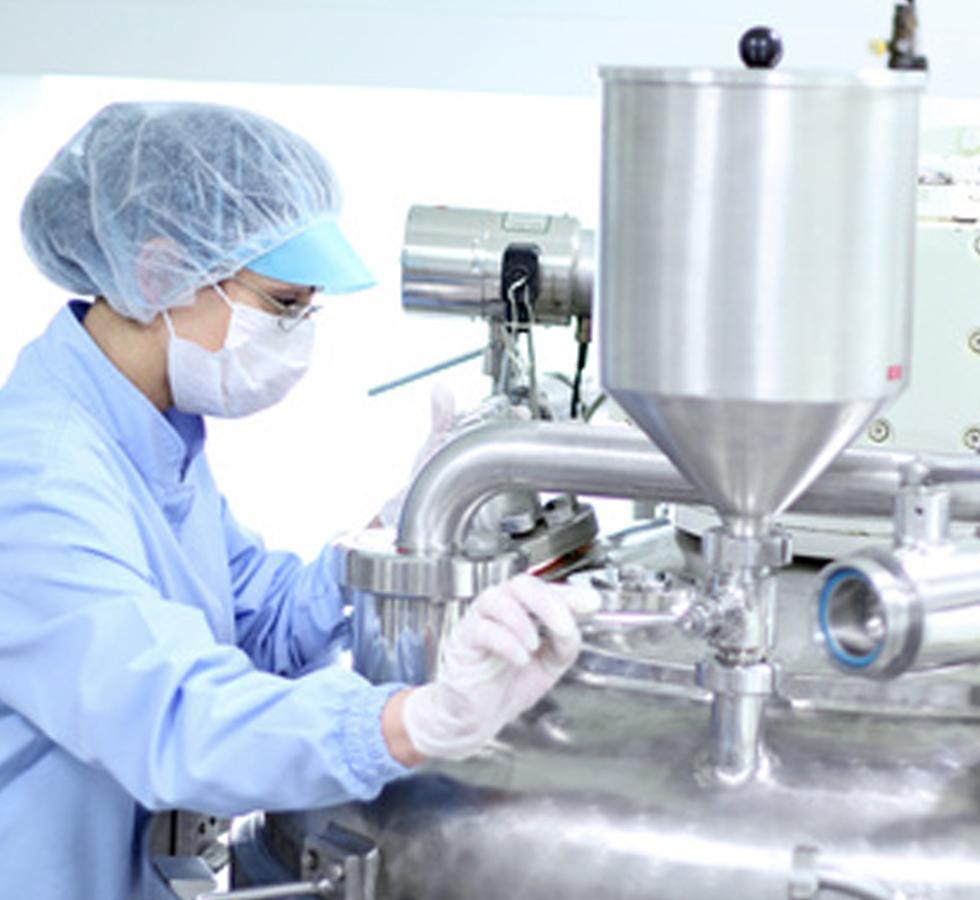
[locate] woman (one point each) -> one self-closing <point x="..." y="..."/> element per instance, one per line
<point x="153" y="654"/>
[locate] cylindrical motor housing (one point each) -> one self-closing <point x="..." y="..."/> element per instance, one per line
<point x="453" y="262"/>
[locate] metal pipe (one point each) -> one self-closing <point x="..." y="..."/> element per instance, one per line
<point x="617" y="462"/>
<point x="736" y="737"/>
<point x="736" y="753"/>
<point x="885" y="611"/>
<point x="915" y="605"/>
<point x="540" y="456"/>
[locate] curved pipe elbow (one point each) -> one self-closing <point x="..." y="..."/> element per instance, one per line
<point x="611" y="462"/>
<point x="589" y="460"/>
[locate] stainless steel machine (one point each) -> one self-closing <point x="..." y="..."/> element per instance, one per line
<point x="736" y="725"/>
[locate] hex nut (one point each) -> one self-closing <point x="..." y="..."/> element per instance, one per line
<point x="879" y="431"/>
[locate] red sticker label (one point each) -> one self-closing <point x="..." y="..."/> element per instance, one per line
<point x="894" y="373"/>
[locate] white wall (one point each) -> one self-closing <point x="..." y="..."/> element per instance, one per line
<point x="523" y="46"/>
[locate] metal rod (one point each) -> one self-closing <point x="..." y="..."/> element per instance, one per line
<point x="809" y="879"/>
<point x="627" y="619"/>
<point x="324" y="887"/>
<point x="425" y="373"/>
<point x="859" y="886"/>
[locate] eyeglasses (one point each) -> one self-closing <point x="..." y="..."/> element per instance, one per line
<point x="289" y="315"/>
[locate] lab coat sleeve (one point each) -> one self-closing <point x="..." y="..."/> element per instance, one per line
<point x="289" y="617"/>
<point x="133" y="682"/>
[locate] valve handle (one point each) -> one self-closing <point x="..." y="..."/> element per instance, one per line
<point x="761" y="48"/>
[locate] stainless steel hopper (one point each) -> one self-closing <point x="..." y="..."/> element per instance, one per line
<point x="755" y="268"/>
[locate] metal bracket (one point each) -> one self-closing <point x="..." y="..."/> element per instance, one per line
<point x="186" y="877"/>
<point x="922" y="516"/>
<point x="346" y="856"/>
<point x="339" y="864"/>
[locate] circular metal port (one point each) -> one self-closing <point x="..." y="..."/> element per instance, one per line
<point x="852" y="618"/>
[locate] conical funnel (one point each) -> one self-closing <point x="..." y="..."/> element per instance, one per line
<point x="749" y="459"/>
<point x="755" y="264"/>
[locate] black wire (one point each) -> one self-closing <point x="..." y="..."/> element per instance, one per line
<point x="583" y="355"/>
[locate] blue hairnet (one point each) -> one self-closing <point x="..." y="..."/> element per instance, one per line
<point x="151" y="201"/>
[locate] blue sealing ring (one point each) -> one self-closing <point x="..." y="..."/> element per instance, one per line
<point x="850" y="660"/>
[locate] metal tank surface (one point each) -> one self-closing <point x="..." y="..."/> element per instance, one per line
<point x="601" y="790"/>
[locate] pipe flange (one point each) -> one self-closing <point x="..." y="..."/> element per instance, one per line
<point x="725" y="551"/>
<point x="756" y="679"/>
<point x="869" y="613"/>
<point x="434" y="578"/>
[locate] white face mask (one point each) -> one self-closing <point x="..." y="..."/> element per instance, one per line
<point x="255" y="368"/>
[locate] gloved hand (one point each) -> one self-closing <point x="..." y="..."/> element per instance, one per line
<point x="496" y="663"/>
<point x="443" y="411"/>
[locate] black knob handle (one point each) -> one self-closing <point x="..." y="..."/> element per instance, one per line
<point x="761" y="48"/>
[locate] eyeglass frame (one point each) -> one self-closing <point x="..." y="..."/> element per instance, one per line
<point x="288" y="317"/>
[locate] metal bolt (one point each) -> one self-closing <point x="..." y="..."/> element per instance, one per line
<point x="973" y="341"/>
<point x="696" y="620"/>
<point x="879" y="431"/>
<point x="518" y="524"/>
<point x="971" y="438"/>
<point x="310" y="861"/>
<point x="976" y="246"/>
<point x="632" y="576"/>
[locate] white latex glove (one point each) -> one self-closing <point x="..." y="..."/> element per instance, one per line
<point x="443" y="412"/>
<point x="509" y="649"/>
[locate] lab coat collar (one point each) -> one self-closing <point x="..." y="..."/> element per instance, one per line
<point x="162" y="447"/>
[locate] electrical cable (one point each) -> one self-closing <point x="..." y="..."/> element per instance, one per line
<point x="583" y="355"/>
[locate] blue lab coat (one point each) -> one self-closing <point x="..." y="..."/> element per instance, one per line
<point x="153" y="654"/>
